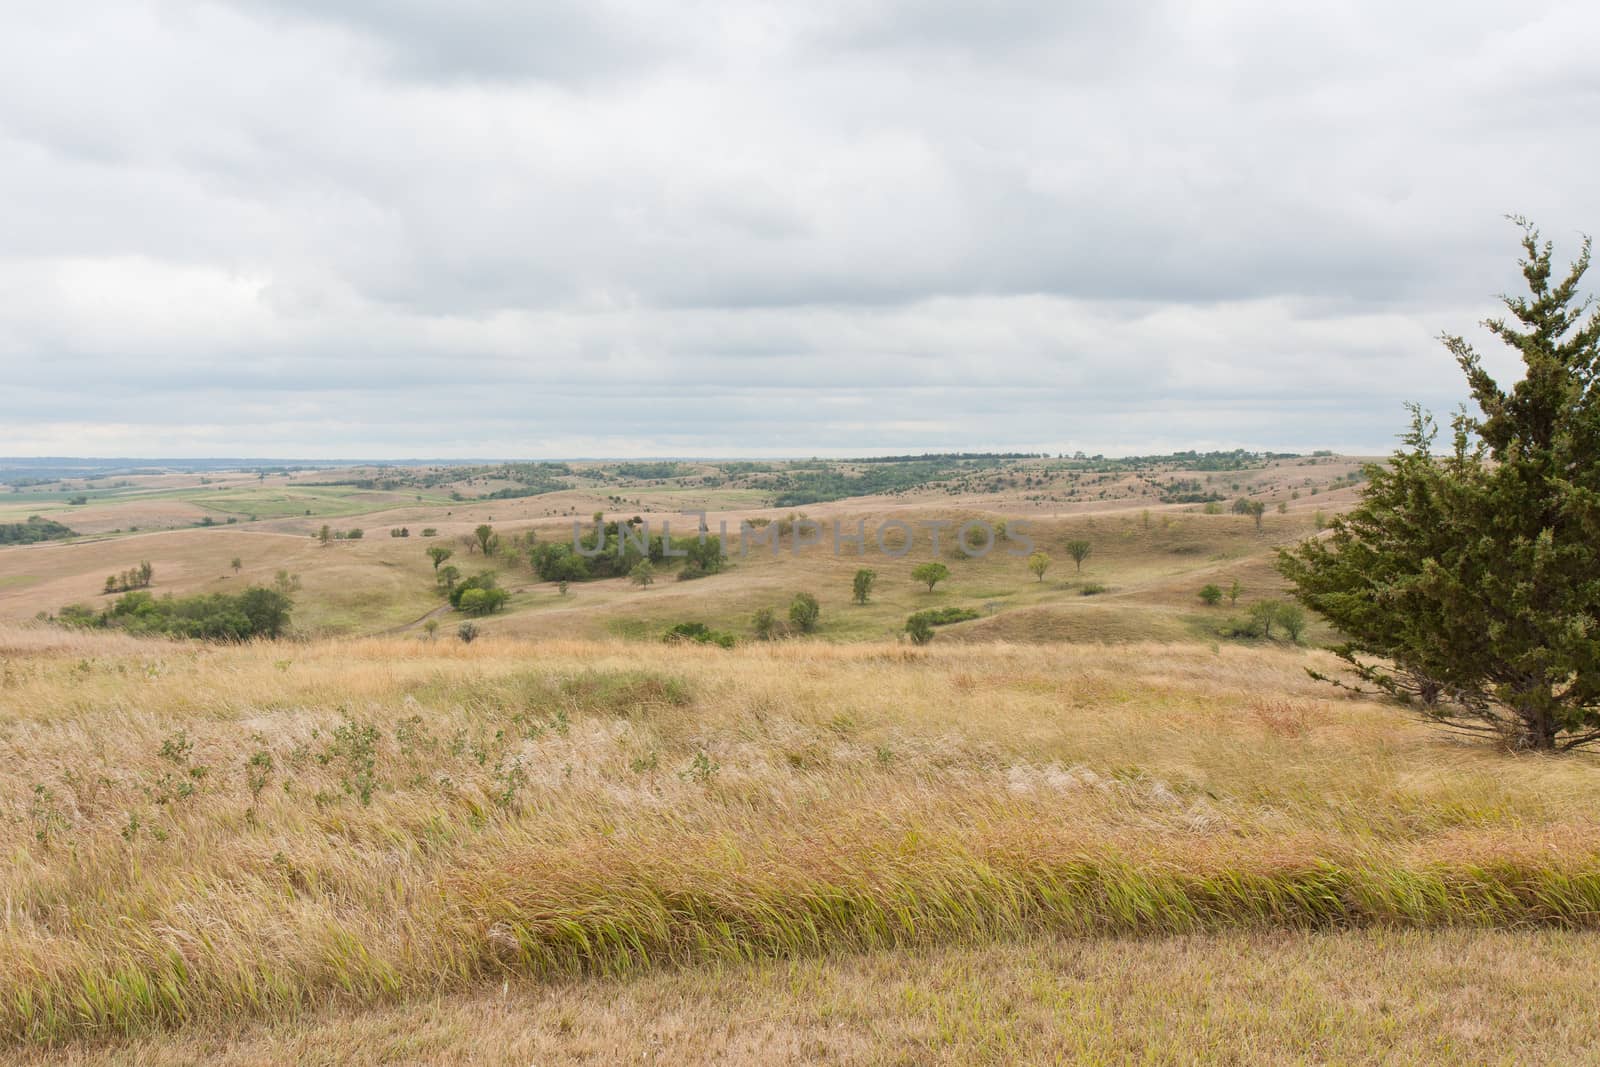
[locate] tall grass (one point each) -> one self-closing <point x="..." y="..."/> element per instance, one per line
<point x="193" y="834"/>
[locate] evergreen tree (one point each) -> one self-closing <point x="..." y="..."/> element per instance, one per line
<point x="1474" y="576"/>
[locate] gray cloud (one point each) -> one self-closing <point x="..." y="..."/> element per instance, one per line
<point x="632" y="228"/>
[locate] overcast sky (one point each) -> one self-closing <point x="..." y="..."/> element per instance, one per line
<point x="391" y="228"/>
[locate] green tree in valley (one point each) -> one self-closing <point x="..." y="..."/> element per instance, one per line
<point x="1038" y="563"/>
<point x="1079" y="551"/>
<point x="643" y="574"/>
<point x="1467" y="583"/>
<point x="484" y="535"/>
<point x="861" y="586"/>
<point x="439" y="553"/>
<point x="930" y="573"/>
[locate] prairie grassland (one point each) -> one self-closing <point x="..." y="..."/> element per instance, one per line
<point x="1232" y="997"/>
<point x="194" y="835"/>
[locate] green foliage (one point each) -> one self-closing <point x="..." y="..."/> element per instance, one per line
<point x="861" y="585"/>
<point x="484" y="536"/>
<point x="1211" y="594"/>
<point x="1079" y="551"/>
<point x="134" y="578"/>
<point x="930" y="573"/>
<point x="804" y="611"/>
<point x="1038" y="563"/>
<point x="557" y="562"/>
<point x="699" y="633"/>
<point x="946" y="616"/>
<point x="919" y="629"/>
<point x="34" y="530"/>
<point x="1473" y="577"/>
<point x="256" y="612"/>
<point x="438" y="554"/>
<point x="764" y="621"/>
<point x="480" y="602"/>
<point x="1091" y="589"/>
<point x="468" y="632"/>
<point x="643" y="574"/>
<point x="1292" y="618"/>
<point x="478" y="595"/>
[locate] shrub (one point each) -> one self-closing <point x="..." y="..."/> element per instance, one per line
<point x="804" y="611"/>
<point x="484" y="582"/>
<point x="919" y="629"/>
<point x="946" y="616"/>
<point x="1091" y="589"/>
<point x="1211" y="594"/>
<point x="480" y="601"/>
<point x="763" y="622"/>
<point x="861" y="586"/>
<point x="699" y="633"/>
<point x="468" y="632"/>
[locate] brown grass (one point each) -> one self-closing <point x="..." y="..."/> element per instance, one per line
<point x="438" y="817"/>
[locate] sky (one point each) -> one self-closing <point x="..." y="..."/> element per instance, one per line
<point x="387" y="228"/>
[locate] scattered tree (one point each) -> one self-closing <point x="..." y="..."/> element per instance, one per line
<point x="862" y="585"/>
<point x="1038" y="563"/>
<point x="931" y="573"/>
<point x="1079" y="551"/>
<point x="919" y="629"/>
<point x="1233" y="593"/>
<point x="1211" y="594"/>
<point x="643" y="574"/>
<point x="439" y="553"/>
<point x="1264" y="613"/>
<point x="1292" y="617"/>
<point x="484" y="535"/>
<point x="237" y="564"/>
<point x="468" y="632"/>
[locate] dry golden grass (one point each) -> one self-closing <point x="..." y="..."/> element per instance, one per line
<point x="426" y="819"/>
<point x="1393" y="996"/>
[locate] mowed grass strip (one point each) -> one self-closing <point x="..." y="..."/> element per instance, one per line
<point x="201" y="834"/>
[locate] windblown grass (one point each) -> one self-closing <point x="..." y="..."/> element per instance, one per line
<point x="199" y="834"/>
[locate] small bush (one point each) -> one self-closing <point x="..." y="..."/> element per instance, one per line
<point x="699" y="633"/>
<point x="804" y="611"/>
<point x="1092" y="589"/>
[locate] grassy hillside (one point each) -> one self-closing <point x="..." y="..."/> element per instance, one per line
<point x="203" y="835"/>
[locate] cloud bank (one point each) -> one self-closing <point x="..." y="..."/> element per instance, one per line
<point x="364" y="229"/>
